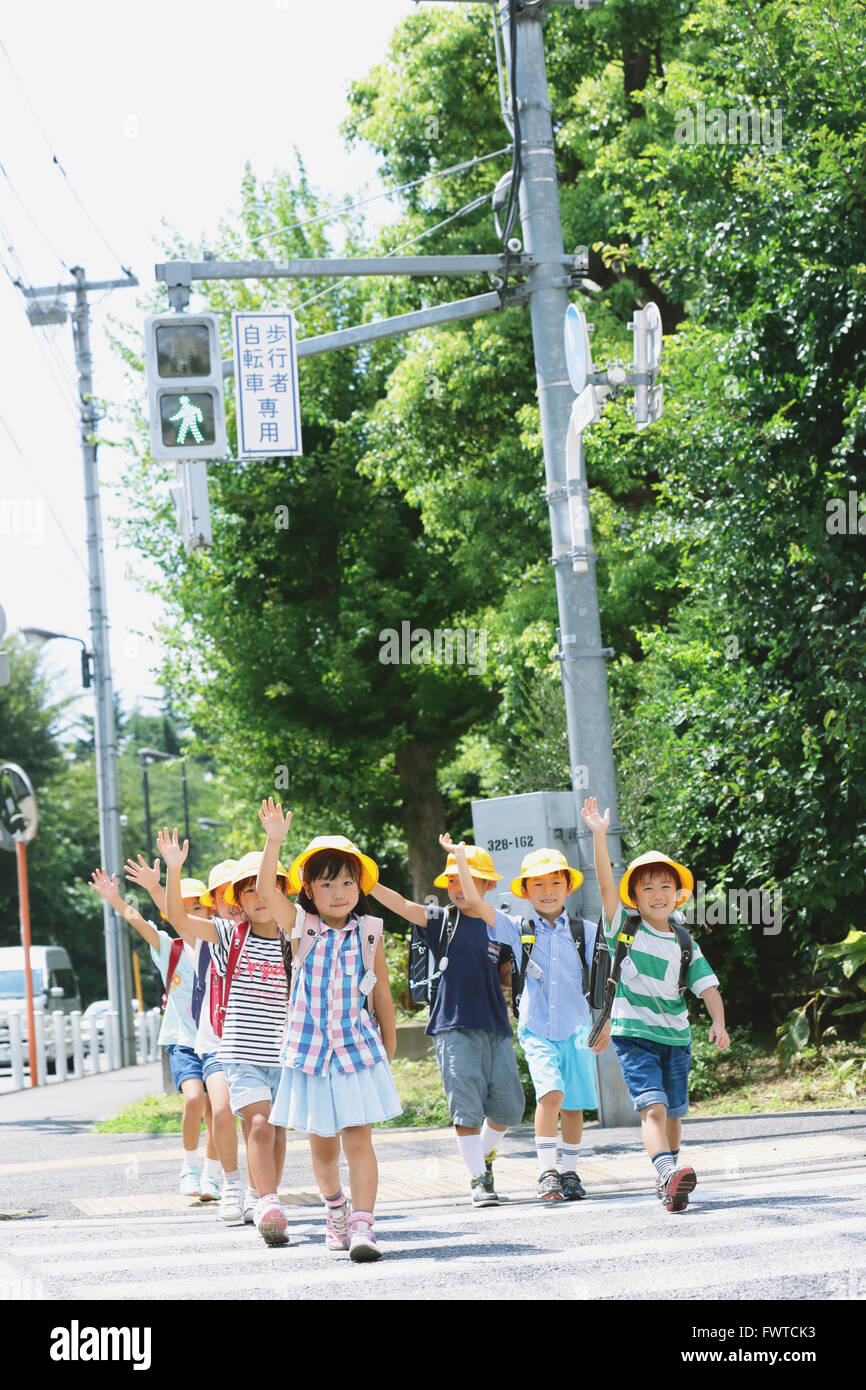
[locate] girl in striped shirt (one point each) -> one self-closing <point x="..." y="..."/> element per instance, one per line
<point x="336" y="1082"/>
<point x="254" y="1022"/>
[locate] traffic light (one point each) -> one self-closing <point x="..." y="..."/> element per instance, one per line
<point x="185" y="386"/>
<point x="648" y="397"/>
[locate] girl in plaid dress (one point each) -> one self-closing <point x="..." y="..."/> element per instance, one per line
<point x="336" y="1081"/>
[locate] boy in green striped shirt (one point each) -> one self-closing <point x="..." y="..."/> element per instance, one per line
<point x="650" y="1023"/>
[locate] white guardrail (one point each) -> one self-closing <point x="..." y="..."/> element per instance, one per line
<point x="74" y="1045"/>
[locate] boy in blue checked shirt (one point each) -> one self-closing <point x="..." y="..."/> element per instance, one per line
<point x="554" y="1016"/>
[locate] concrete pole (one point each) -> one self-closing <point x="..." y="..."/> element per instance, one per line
<point x="105" y="736"/>
<point x="584" y="680"/>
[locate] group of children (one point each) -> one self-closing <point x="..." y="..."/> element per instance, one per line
<point x="278" y="1011"/>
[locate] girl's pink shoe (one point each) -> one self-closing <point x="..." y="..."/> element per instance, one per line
<point x="362" y="1242"/>
<point x="337" y="1231"/>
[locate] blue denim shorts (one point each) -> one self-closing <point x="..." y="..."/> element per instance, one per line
<point x="249" y="1083"/>
<point x="210" y="1064"/>
<point x="185" y="1064"/>
<point x="655" y="1073"/>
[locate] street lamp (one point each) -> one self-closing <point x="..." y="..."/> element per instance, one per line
<point x="38" y="636"/>
<point x="155" y="755"/>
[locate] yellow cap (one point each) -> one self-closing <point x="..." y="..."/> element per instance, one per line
<point x="480" y="866"/>
<point x="541" y="862"/>
<point x="369" y="867"/>
<point x="248" y="867"/>
<point x="219" y="877"/>
<point x="654" y="857"/>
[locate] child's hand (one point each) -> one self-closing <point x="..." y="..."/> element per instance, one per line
<point x="593" y="818"/>
<point x="603" y="1040"/>
<point x="276" y="825"/>
<point x="448" y="844"/>
<point x="106" y="887"/>
<point x="170" y="848"/>
<point x="720" y="1033"/>
<point x="142" y="873"/>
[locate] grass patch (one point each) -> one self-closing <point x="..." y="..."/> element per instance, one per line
<point x="153" y="1115"/>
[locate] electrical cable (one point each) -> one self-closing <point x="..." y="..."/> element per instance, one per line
<point x="52" y="248"/>
<point x="30" y="473"/>
<point x="56" y="161"/>
<point x="389" y="193"/>
<point x="507" y="223"/>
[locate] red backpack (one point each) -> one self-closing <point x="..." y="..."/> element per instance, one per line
<point x="220" y="985"/>
<point x="173" y="958"/>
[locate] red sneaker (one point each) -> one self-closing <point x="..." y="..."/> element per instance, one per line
<point x="675" y="1192"/>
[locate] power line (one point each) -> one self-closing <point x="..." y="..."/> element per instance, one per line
<point x="56" y="161"/>
<point x="16" y="446"/>
<point x="52" y="248"/>
<point x="388" y="193"/>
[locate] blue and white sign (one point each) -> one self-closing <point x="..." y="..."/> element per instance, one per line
<point x="266" y="383"/>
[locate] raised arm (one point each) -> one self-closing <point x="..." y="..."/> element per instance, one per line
<point x="149" y="878"/>
<point x="416" y="913"/>
<point x="474" y="905"/>
<point x="174" y="855"/>
<point x="276" y="827"/>
<point x="598" y="824"/>
<point x="107" y="888"/>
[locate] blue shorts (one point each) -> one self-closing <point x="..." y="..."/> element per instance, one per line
<point x="251" y="1082"/>
<point x="210" y="1065"/>
<point x="655" y="1073"/>
<point x="185" y="1063"/>
<point x="567" y="1066"/>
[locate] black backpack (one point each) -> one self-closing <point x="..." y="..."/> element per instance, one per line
<point x="606" y="972"/>
<point x="424" y="971"/>
<point x="527" y="939"/>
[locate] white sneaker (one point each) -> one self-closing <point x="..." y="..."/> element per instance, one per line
<point x="250" y="1199"/>
<point x="190" y="1182"/>
<point x="231" y="1202"/>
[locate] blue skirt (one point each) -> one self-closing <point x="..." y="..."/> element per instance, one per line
<point x="326" y="1104"/>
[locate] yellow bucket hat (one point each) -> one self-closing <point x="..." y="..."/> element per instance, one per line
<point x="369" y="867"/>
<point x="545" y="861"/>
<point x="653" y="857"/>
<point x="247" y="867"/>
<point x="480" y="866"/>
<point x="189" y="888"/>
<point x="219" y="877"/>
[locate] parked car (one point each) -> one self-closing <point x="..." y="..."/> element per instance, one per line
<point x="55" y="987"/>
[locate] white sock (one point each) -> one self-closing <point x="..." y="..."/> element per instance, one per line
<point x="546" y="1150"/>
<point x="213" y="1168"/>
<point x="232" y="1179"/>
<point x="472" y="1153"/>
<point x="569" y="1157"/>
<point x="190" y="1158"/>
<point x="490" y="1139"/>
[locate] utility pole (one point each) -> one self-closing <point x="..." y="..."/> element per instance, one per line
<point x="580" y="654"/>
<point x="117" y="950"/>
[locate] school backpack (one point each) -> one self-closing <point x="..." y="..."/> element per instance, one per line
<point x="606" y="971"/>
<point x="425" y="963"/>
<point x="173" y="957"/>
<point x="527" y="941"/>
<point x="202" y="958"/>
<point x="221" y="984"/>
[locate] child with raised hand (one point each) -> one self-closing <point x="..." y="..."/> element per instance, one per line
<point x="177" y="1031"/>
<point x="249" y="957"/>
<point x="468" y="1018"/>
<point x="336" y="1082"/>
<point x="554" y="1015"/>
<point x="649" y="1021"/>
<point x="234" y="1206"/>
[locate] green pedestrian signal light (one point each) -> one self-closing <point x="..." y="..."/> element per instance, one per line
<point x="185" y="387"/>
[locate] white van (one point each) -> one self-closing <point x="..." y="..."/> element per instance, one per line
<point x="54" y="987"/>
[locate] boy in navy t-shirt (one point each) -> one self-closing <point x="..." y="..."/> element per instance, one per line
<point x="469" y="1020"/>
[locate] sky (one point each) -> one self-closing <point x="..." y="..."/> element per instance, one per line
<point x="108" y="89"/>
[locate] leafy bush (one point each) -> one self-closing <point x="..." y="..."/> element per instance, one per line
<point x="714" y="1072"/>
<point x="838" y="995"/>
